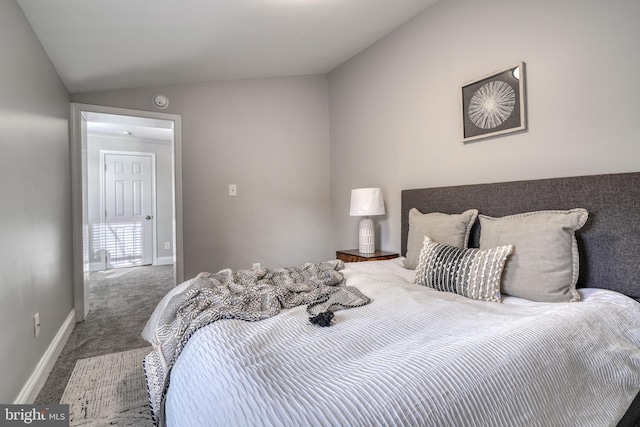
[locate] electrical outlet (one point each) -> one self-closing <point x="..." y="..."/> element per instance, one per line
<point x="233" y="191"/>
<point x="36" y="325"/>
<point x="167" y="245"/>
<point x="256" y="265"/>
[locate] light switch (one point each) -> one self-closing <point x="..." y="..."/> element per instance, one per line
<point x="232" y="190"/>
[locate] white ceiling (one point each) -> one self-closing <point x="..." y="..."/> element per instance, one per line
<point x="119" y="44"/>
<point x="128" y="127"/>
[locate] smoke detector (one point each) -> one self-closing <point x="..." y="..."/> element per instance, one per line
<point x="160" y="102"/>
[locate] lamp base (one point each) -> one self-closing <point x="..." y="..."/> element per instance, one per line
<point x="367" y="236"/>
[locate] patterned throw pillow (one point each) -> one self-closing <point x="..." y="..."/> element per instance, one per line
<point x="474" y="273"/>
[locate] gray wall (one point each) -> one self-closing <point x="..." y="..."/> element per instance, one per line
<point x="35" y="207"/>
<point x="270" y="137"/>
<point x="395" y="109"/>
<point x="164" y="201"/>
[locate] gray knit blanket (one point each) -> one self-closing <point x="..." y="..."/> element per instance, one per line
<point x="249" y="295"/>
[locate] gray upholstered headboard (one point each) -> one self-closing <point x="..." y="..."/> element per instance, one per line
<point x="609" y="243"/>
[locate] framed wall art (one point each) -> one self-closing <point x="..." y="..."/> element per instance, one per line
<point x="494" y="105"/>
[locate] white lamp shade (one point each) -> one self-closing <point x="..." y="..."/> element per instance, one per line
<point x="367" y="202"/>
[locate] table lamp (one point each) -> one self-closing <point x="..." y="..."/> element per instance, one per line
<point x="367" y="202"/>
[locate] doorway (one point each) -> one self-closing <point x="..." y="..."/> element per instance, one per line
<point x="127" y="192"/>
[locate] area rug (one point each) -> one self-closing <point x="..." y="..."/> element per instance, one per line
<point x="109" y="390"/>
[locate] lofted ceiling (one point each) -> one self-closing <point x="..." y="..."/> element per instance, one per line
<point x="119" y="44"/>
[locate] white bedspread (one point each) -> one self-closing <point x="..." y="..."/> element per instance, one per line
<point x="412" y="357"/>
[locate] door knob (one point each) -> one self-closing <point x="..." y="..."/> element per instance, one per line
<point x="148" y="217"/>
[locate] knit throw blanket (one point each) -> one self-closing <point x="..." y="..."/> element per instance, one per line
<point x="249" y="295"/>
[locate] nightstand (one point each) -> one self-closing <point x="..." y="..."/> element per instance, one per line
<point x="353" y="255"/>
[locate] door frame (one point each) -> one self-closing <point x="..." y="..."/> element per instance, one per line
<point x="78" y="139"/>
<point x="103" y="195"/>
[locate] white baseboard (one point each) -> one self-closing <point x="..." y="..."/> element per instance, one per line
<point x="163" y="260"/>
<point x="40" y="374"/>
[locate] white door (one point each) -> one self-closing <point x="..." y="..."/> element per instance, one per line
<point x="128" y="210"/>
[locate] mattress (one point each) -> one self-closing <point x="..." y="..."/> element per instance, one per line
<point x="413" y="356"/>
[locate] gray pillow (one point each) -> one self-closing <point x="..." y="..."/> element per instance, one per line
<point x="474" y="273"/>
<point x="452" y="230"/>
<point x="544" y="264"/>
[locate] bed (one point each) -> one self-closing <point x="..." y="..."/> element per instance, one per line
<point x="415" y="355"/>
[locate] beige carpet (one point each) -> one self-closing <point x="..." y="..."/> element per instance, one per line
<point x="109" y="390"/>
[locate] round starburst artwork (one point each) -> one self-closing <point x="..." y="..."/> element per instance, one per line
<point x="492" y="104"/>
